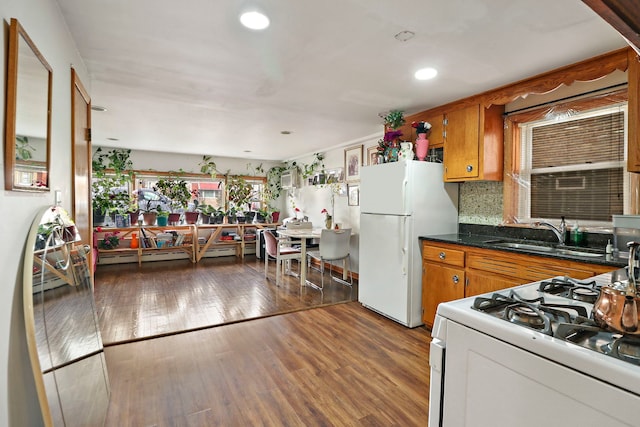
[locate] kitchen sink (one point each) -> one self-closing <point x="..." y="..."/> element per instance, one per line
<point x="543" y="248"/>
<point x="525" y="246"/>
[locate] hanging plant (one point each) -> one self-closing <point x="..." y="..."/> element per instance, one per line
<point x="208" y="166"/>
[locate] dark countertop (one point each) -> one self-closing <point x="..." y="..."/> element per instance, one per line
<point x="484" y="241"/>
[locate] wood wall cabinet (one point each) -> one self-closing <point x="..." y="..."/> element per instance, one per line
<point x="451" y="271"/>
<point x="473" y="143"/>
<point x="436" y="137"/>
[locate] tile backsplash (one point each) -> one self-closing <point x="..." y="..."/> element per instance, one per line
<point x="480" y="203"/>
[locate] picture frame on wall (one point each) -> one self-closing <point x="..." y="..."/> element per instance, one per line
<point x="354" y="194"/>
<point x="352" y="163"/>
<point x="372" y="155"/>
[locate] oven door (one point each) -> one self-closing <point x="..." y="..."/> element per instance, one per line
<point x="488" y="382"/>
<point x="436" y="381"/>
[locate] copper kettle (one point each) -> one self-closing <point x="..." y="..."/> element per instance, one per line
<point x="618" y="306"/>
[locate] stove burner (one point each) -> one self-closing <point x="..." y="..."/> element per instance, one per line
<point x="525" y="315"/>
<point x="572" y="289"/>
<point x="589" y="295"/>
<point x="534" y="313"/>
<point x="626" y="348"/>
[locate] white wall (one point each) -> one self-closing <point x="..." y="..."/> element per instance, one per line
<point x="311" y="199"/>
<point x="44" y="24"/>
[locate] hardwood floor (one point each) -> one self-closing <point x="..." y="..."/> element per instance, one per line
<point x="160" y="298"/>
<point x="179" y="353"/>
<point x="340" y="365"/>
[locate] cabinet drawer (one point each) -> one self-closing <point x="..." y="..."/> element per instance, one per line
<point x="443" y="255"/>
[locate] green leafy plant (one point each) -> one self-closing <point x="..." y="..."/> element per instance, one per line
<point x="316" y="165"/>
<point x="113" y="172"/>
<point x="23" y="149"/>
<point x="208" y="166"/>
<point x="239" y="192"/>
<point x="176" y="190"/>
<point x="393" y="119"/>
<point x="161" y="212"/>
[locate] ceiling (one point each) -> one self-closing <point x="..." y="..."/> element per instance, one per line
<point x="186" y="77"/>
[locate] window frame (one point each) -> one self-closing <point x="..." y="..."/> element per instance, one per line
<point x="514" y="158"/>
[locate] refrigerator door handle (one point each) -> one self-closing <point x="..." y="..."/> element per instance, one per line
<point x="405" y="184"/>
<point x="405" y="246"/>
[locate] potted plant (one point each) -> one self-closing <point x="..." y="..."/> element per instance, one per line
<point x="239" y="193"/>
<point x="206" y="213"/>
<point x="176" y="190"/>
<point x="162" y="216"/>
<point x="112" y="172"/>
<point x="191" y="214"/>
<point x="231" y="215"/>
<point x="149" y="214"/>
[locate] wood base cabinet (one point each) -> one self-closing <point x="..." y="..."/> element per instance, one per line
<point x="451" y="272"/>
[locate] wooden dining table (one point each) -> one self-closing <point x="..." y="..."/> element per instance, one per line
<point x="303" y="234"/>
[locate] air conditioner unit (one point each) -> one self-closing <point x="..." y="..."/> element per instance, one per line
<point x="289" y="179"/>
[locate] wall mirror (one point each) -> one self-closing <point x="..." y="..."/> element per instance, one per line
<point x="28" y="114"/>
<point x="63" y="337"/>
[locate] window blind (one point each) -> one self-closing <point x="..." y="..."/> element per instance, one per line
<point x="590" y="153"/>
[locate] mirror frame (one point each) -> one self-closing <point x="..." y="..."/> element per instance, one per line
<point x="16" y="32"/>
<point x="73" y="383"/>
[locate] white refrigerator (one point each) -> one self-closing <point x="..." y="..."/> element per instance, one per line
<point x="398" y="203"/>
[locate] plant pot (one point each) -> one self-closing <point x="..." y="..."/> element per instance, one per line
<point x="149" y="218"/>
<point x="162" y="220"/>
<point x="174" y="218"/>
<point x="121" y="220"/>
<point x="250" y="216"/>
<point x="206" y="219"/>
<point x="275" y="216"/>
<point x="259" y="218"/>
<point x="191" y="217"/>
<point x="98" y="218"/>
<point x="133" y="217"/>
<point x="231" y="219"/>
<point x="241" y="219"/>
<point x="219" y="219"/>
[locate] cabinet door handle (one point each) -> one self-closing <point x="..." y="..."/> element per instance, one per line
<point x="469" y="168"/>
<point x="456" y="279"/>
<point x="442" y="255"/>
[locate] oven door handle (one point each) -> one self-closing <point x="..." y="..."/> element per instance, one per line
<point x="436" y="388"/>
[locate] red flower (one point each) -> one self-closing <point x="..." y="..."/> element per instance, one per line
<point x="297" y="210"/>
<point x="98" y="229"/>
<point x="324" y="211"/>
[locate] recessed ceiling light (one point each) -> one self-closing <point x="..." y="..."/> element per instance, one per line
<point x="285" y="132"/>
<point x="113" y="139"/>
<point x="98" y="108"/>
<point x="247" y="151"/>
<point x="426" y="73"/>
<point x="254" y="20"/>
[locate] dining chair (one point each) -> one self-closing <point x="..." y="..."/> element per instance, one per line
<point x="334" y="246"/>
<point x="278" y="249"/>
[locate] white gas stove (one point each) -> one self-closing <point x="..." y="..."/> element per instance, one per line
<point x="531" y="356"/>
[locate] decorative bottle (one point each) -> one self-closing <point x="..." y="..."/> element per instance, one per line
<point x="134" y="241"/>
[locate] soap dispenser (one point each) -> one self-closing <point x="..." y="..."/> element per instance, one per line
<point x="575" y="234"/>
<point x="609" y="249"/>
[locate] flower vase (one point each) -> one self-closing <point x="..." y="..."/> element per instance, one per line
<point x="327" y="223"/>
<point x="422" y="146"/>
<point x="406" y="151"/>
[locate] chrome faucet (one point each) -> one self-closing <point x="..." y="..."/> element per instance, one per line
<point x="560" y="232"/>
